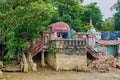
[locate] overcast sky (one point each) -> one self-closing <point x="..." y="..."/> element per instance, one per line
<point x="104" y="5"/>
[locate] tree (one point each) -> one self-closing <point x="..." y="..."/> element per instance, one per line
<point x="108" y="25"/>
<point x="21" y="21"/>
<point x="117" y="15"/>
<point x="68" y="11"/>
<point x="91" y="11"/>
<point x="76" y="15"/>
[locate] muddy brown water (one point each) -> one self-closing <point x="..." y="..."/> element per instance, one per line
<point x="50" y="74"/>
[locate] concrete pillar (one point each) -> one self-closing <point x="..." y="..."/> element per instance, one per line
<point x="34" y="67"/>
<point x="43" y="59"/>
<point x="25" y="68"/>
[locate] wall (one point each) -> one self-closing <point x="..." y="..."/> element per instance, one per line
<point x="69" y="62"/>
<point x="51" y="60"/>
<point x="109" y="50"/>
<point x="69" y="55"/>
<point x="102" y="49"/>
<point x="112" y="50"/>
<point x="66" y="62"/>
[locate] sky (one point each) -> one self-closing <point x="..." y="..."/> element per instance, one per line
<point x="104" y="6"/>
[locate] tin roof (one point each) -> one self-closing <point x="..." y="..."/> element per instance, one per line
<point x="108" y="42"/>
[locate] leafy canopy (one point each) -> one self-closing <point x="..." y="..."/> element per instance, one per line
<point x="91" y="11"/>
<point x="117" y="16"/>
<point x="75" y="14"/>
<point x="108" y="25"/>
<point x="21" y="21"/>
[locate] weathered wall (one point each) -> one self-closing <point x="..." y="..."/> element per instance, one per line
<point x="69" y="62"/>
<point x="51" y="60"/>
<point x="69" y="55"/>
<point x="112" y="50"/>
<point x="66" y="62"/>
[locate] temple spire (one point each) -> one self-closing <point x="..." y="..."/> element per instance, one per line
<point x="91" y="21"/>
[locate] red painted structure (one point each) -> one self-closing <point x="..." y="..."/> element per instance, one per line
<point x="59" y="27"/>
<point x="36" y="48"/>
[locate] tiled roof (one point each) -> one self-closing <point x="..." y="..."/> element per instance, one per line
<point x="59" y="27"/>
<point x="108" y="42"/>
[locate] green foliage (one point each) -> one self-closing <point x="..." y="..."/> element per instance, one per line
<point x="117" y="16"/>
<point x="22" y="22"/>
<point x="117" y="21"/>
<point x="76" y="15"/>
<point x="93" y="12"/>
<point x="53" y="48"/>
<point x="86" y="27"/>
<point x="108" y="25"/>
<point x="68" y="11"/>
<point x="77" y="25"/>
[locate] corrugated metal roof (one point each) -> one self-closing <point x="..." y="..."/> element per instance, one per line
<point x="108" y="42"/>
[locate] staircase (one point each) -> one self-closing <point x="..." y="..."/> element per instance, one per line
<point x="92" y="52"/>
<point x="36" y="48"/>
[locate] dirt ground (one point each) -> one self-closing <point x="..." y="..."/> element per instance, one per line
<point x="49" y="74"/>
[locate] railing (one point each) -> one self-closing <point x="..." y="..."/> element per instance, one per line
<point x="69" y="43"/>
<point x="61" y="43"/>
<point x="67" y="46"/>
<point x="70" y="46"/>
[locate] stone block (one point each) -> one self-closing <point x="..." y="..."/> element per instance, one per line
<point x="25" y="68"/>
<point x="34" y="67"/>
<point x="1" y="75"/>
<point x="1" y="63"/>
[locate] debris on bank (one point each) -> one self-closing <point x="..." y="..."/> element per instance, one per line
<point x="103" y="64"/>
